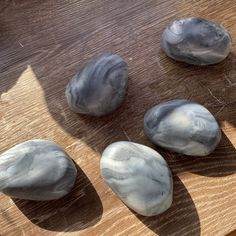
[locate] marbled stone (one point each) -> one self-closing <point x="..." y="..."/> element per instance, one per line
<point x="182" y="126"/>
<point x="196" y="41"/>
<point x="100" y="87"/>
<point x="139" y="176"/>
<point x="36" y="170"/>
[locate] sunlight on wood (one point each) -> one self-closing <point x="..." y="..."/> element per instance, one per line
<point x="28" y="86"/>
<point x="78" y="146"/>
<point x="15" y="101"/>
<point x="230" y="131"/>
<point x="26" y="82"/>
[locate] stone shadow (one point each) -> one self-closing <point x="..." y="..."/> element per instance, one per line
<point x="180" y="219"/>
<point x="80" y="209"/>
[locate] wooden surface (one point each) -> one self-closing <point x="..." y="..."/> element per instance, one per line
<point x="44" y="43"/>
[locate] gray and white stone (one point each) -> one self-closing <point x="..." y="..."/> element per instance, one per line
<point x="182" y="126"/>
<point x="139" y="176"/>
<point x="196" y="41"/>
<point x="36" y="170"/>
<point x="100" y="87"/>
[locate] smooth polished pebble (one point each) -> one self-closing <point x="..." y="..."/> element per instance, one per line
<point x="196" y="41"/>
<point x="182" y="126"/>
<point x="36" y="170"/>
<point x="139" y="176"/>
<point x="100" y="87"/>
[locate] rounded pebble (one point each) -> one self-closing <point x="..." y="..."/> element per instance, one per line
<point x="196" y="41"/>
<point x="100" y="87"/>
<point x="36" y="170"/>
<point x="182" y="126"/>
<point x="139" y="176"/>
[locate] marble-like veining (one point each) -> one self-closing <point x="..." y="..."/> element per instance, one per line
<point x="196" y="41"/>
<point x="100" y="87"/>
<point x="36" y="170"/>
<point x="182" y="126"/>
<point x="139" y="176"/>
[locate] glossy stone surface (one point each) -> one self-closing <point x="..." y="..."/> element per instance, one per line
<point x="100" y="87"/>
<point x="182" y="126"/>
<point x="36" y="170"/>
<point x="196" y="41"/>
<point x="139" y="176"/>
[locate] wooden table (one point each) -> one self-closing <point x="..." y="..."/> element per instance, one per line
<point x="44" y="43"/>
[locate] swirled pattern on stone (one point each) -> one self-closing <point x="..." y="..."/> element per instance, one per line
<point x="36" y="170"/>
<point x="139" y="176"/>
<point x="182" y="126"/>
<point x="196" y="41"/>
<point x="100" y="87"/>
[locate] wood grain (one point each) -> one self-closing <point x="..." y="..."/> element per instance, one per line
<point x="44" y="43"/>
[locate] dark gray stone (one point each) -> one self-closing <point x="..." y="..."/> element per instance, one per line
<point x="100" y="87"/>
<point x="182" y="126"/>
<point x="139" y="176"/>
<point x="36" y="170"/>
<point x="196" y="41"/>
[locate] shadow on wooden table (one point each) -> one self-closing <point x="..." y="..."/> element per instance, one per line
<point x="180" y="219"/>
<point x="80" y="209"/>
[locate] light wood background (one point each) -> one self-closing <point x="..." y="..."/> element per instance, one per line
<point x="44" y="43"/>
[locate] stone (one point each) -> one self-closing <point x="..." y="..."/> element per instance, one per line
<point x="100" y="87"/>
<point x="139" y="176"/>
<point x="36" y="170"/>
<point x="182" y="126"/>
<point x="196" y="41"/>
